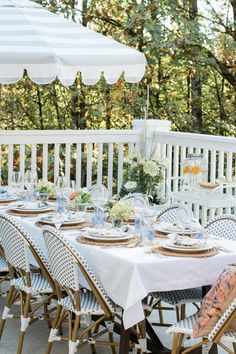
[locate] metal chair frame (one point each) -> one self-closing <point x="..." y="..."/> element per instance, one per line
<point x="21" y="277"/>
<point x="57" y="244"/>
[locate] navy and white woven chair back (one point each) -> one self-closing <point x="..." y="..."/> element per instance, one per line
<point x="168" y="214"/>
<point x="222" y="226"/>
<point x="63" y="264"/>
<point x="14" y="244"/>
<point x="64" y="259"/>
<point x="137" y="200"/>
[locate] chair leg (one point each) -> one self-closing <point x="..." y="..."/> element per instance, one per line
<point x="234" y="346"/>
<point x="45" y="306"/>
<point x="7" y="307"/>
<point x="54" y="329"/>
<point x="92" y="346"/>
<point x="177" y="313"/>
<point x="160" y="312"/>
<point x="73" y="341"/>
<point x="181" y="338"/>
<point x="175" y="343"/>
<point x="183" y="312"/>
<point x="143" y="337"/>
<point x="25" y="319"/>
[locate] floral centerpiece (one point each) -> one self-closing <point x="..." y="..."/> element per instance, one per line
<point x="120" y="211"/>
<point x="142" y="175"/>
<point x="82" y="197"/>
<point x="45" y="187"/>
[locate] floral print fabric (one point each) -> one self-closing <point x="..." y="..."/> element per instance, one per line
<point x="216" y="301"/>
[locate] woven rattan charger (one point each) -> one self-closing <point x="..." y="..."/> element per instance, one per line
<point x="75" y="226"/>
<point x="194" y="254"/>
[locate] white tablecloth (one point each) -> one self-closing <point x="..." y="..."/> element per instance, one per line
<point x="129" y="274"/>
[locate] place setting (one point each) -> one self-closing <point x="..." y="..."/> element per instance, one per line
<point x="183" y="246"/>
<point x="108" y="237"/>
<point x="64" y="221"/>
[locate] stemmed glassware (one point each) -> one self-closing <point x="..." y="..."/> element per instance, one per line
<point x="61" y="184"/>
<point x="30" y="181"/>
<point x="100" y="196"/>
<point x="16" y="179"/>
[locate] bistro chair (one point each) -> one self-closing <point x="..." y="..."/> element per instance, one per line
<point x="137" y="200"/>
<point x="178" y="298"/>
<point x="68" y="266"/>
<point x="4" y="271"/>
<point x="169" y="213"/>
<point x="26" y="283"/>
<point x="222" y="226"/>
<point x="218" y="334"/>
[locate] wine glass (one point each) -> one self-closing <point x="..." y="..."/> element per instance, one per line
<point x="61" y="182"/>
<point x="100" y="195"/>
<point x="16" y="179"/>
<point x="30" y="181"/>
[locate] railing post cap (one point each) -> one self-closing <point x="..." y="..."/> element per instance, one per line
<point x="154" y="124"/>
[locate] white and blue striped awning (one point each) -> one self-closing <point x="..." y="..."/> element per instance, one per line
<point x="49" y="46"/>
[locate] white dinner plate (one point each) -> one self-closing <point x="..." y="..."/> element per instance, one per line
<point x="8" y="199"/>
<point x="106" y="235"/>
<point x="30" y="208"/>
<point x="107" y="238"/>
<point x="169" y="230"/>
<point x="51" y="220"/>
<point x="179" y="248"/>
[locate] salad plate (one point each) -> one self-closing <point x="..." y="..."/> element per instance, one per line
<point x="70" y="220"/>
<point x="106" y="235"/>
<point x="196" y="247"/>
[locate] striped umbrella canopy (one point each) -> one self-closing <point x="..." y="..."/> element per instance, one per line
<point x="49" y="46"/>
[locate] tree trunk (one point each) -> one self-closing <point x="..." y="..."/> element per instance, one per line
<point x="196" y="81"/>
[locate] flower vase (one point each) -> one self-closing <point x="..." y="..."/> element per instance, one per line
<point x="117" y="223"/>
<point x="82" y="207"/>
<point x="43" y="199"/>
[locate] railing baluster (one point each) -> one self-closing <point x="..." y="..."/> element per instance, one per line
<point x="89" y="165"/>
<point x="33" y="157"/>
<point x="45" y="162"/>
<point x="176" y="167"/>
<point x="182" y="157"/>
<point x="229" y="174"/>
<point x="100" y="163"/>
<point x="110" y="166"/>
<point x="78" y="165"/>
<point x="22" y="159"/>
<point x="213" y="166"/>
<point x="221" y="164"/>
<point x="120" y="165"/>
<point x="169" y="167"/>
<point x="67" y="162"/>
<point x="56" y="161"/>
<point x="10" y="162"/>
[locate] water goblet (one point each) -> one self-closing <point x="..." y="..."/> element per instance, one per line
<point x="30" y="181"/>
<point x="16" y="179"/>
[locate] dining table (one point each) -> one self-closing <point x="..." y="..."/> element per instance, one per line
<point x="129" y="274"/>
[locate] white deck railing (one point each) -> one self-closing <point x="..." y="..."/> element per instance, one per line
<point x="89" y="154"/>
<point x="220" y="152"/>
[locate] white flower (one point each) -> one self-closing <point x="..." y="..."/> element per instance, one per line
<point x="45" y="187"/>
<point x="130" y="186"/>
<point x="150" y="168"/>
<point x="121" y="210"/>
